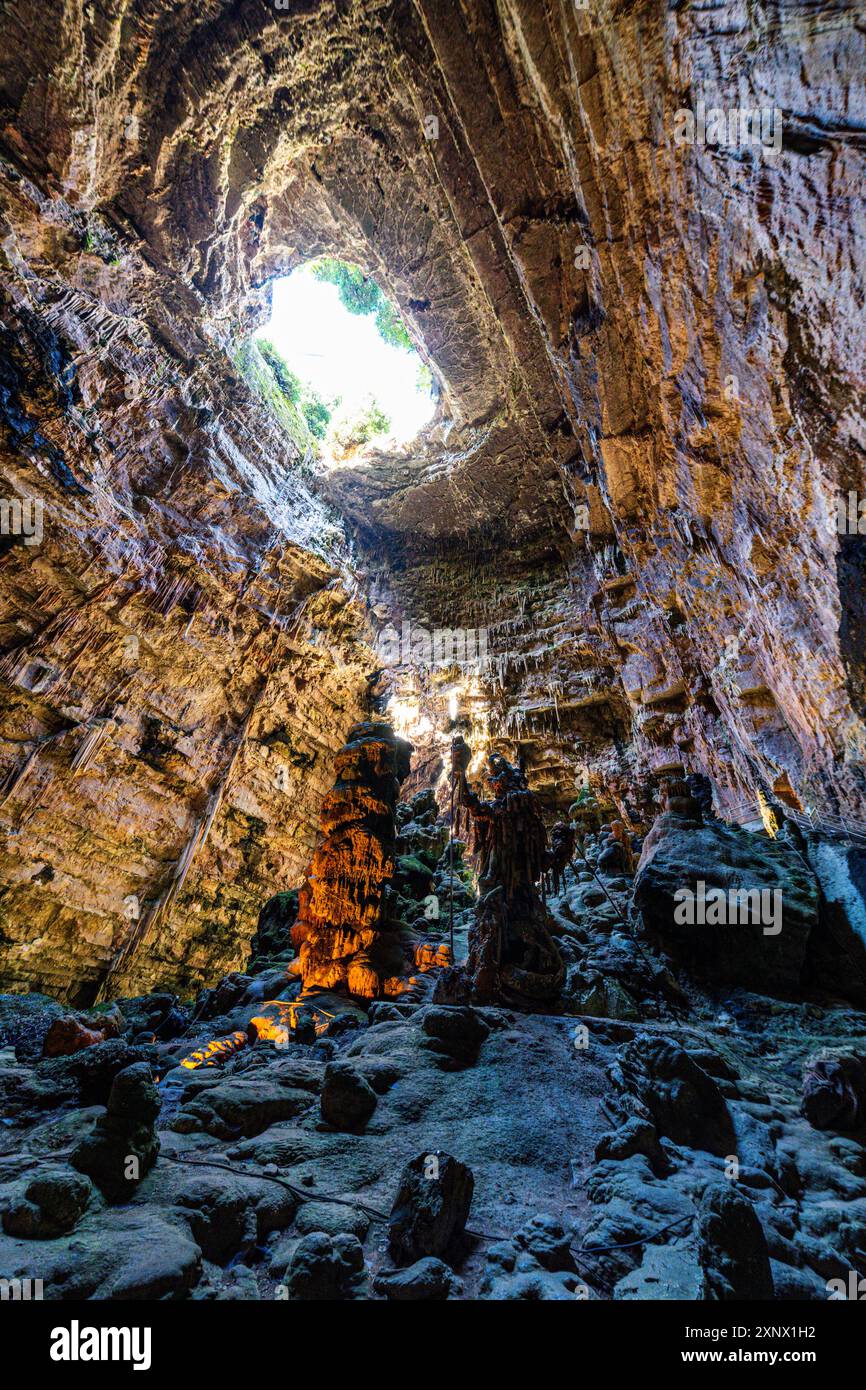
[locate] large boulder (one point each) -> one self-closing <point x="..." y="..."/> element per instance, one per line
<point x="92" y="1070"/>
<point x="431" y="1207"/>
<point x="683" y="865"/>
<point x="71" y="1033"/>
<point x="428" y="1280"/>
<point x="133" y="1252"/>
<point x="157" y="1016"/>
<point x="454" y="1033"/>
<point x="49" y="1205"/>
<point x="246" y="1105"/>
<point x="326" y="1268"/>
<point x="732" y="1248"/>
<point x="666" y="1272"/>
<point x="834" y="1090"/>
<point x="123" y="1146"/>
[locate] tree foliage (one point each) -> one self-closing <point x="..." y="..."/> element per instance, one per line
<point x="361" y="295"/>
<point x="298" y="407"/>
<point x="289" y="384"/>
<point x="369" y="421"/>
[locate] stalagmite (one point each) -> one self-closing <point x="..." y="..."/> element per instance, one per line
<point x="346" y="935"/>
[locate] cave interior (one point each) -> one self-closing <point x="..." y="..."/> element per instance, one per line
<point x="433" y="868"/>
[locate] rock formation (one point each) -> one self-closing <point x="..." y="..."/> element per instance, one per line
<point x="123" y="1146"/>
<point x="347" y="934"/>
<point x="626" y="562"/>
<point x="665" y="413"/>
<point x="511" y="949"/>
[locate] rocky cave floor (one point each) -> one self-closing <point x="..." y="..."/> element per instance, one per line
<point x="600" y="1146"/>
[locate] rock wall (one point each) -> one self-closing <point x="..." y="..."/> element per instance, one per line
<point x="182" y="653"/>
<point x="650" y="386"/>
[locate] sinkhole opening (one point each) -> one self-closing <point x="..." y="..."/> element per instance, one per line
<point x="344" y="372"/>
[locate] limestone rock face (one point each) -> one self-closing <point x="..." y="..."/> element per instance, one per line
<point x="344" y="931"/>
<point x="738" y="907"/>
<point x="650" y="380"/>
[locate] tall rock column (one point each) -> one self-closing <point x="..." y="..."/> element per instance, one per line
<point x="344" y="931"/>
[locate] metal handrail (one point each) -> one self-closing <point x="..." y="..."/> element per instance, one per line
<point x="830" y="825"/>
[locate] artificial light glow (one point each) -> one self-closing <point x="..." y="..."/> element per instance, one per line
<point x="216" y="1051"/>
<point x="768" y="816"/>
<point x="279" y="1026"/>
<point x="452" y="705"/>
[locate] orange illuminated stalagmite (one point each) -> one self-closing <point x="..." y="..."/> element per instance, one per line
<point x="216" y="1051"/>
<point x="346" y="936"/>
<point x="281" y="1019"/>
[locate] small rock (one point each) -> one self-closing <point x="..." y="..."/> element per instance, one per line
<point x="547" y="1241"/>
<point x="428" y="1280"/>
<point x="635" y="1136"/>
<point x="325" y="1268"/>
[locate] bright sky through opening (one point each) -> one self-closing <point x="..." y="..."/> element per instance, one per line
<point x="342" y="354"/>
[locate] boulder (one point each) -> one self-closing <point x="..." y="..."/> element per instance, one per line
<point x="455" y="1033"/>
<point x="732" y="1248"/>
<point x="681" y="857"/>
<point x="123" y="1145"/>
<point x="157" y="1015"/>
<point x="93" y="1069"/>
<point x="347" y="1100"/>
<point x="834" y="1091"/>
<point x="334" y="1218"/>
<point x="50" y="1205"/>
<point x="326" y="1268"/>
<point x="547" y="1241"/>
<point x="684" y="1103"/>
<point x="120" y="1253"/>
<point x="71" y="1033"/>
<point x="246" y="1105"/>
<point x="431" y="1207"/>
<point x="669" y="1272"/>
<point x="634" y="1136"/>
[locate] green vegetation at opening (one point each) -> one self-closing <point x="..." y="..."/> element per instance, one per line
<point x="369" y="421"/>
<point x="314" y="410"/>
<point x="361" y="295"/>
<point x="299" y="409"/>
